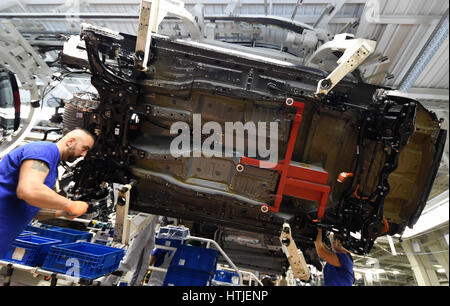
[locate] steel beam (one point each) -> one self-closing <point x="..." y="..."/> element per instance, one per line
<point x="433" y="94"/>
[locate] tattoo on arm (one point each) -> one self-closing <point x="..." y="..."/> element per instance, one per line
<point x="40" y="166"/>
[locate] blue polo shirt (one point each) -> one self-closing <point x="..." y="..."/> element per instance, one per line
<point x="339" y="276"/>
<point x="15" y="213"/>
<point x="160" y="256"/>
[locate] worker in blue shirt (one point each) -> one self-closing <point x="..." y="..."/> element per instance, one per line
<point x="338" y="269"/>
<point x="27" y="177"/>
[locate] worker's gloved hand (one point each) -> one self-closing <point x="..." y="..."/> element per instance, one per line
<point x="74" y="209"/>
<point x="60" y="213"/>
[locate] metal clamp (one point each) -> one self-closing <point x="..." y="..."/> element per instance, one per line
<point x="294" y="255"/>
<point x="356" y="51"/>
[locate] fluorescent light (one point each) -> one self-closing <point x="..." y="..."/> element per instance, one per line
<point x="441" y="270"/>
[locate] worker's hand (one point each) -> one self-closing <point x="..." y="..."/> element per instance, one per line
<point x="64" y="214"/>
<point x="60" y="213"/>
<point x="75" y="209"/>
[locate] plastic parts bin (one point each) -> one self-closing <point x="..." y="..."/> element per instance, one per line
<point x="172" y="236"/>
<point x="195" y="258"/>
<point x="27" y="233"/>
<point x="66" y="235"/>
<point x="38" y="230"/>
<point x="29" y="250"/>
<point x="83" y="259"/>
<point x="177" y="276"/>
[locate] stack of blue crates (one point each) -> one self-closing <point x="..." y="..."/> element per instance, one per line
<point x="191" y="266"/>
<point x="61" y="250"/>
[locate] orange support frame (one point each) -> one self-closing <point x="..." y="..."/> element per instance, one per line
<point x="297" y="181"/>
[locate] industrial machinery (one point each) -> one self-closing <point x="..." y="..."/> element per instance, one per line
<point x="356" y="159"/>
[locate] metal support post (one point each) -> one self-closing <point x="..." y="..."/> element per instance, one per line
<point x="9" y="272"/>
<point x="121" y="228"/>
<point x="151" y="15"/>
<point x="126" y="227"/>
<point x="54" y="280"/>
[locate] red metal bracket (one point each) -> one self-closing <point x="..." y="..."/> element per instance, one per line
<point x="296" y="180"/>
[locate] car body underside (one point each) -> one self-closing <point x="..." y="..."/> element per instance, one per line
<point x="392" y="146"/>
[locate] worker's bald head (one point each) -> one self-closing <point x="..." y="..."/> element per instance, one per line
<point x="75" y="144"/>
<point x="79" y="134"/>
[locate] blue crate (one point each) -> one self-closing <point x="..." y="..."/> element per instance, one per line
<point x="175" y="243"/>
<point x="27" y="233"/>
<point x="227" y="277"/>
<point x="173" y="232"/>
<point x="29" y="250"/>
<point x="177" y="276"/>
<point x="39" y="230"/>
<point x="195" y="258"/>
<point x="34" y="229"/>
<point x="66" y="235"/>
<point x="90" y="259"/>
<point x="172" y="236"/>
